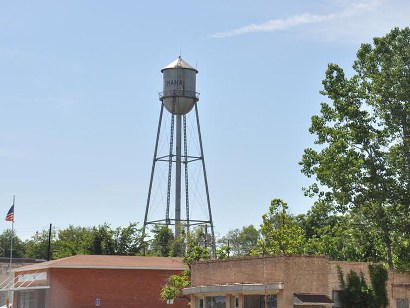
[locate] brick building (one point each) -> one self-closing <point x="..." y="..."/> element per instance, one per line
<point x="125" y="282"/>
<point x="287" y="281"/>
<point x="96" y="281"/>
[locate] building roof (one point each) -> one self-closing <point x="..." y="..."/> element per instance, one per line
<point x="179" y="63"/>
<point x="110" y="262"/>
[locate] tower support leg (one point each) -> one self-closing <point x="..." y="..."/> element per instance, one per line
<point x="206" y="183"/>
<point x="178" y="176"/>
<point x="154" y="160"/>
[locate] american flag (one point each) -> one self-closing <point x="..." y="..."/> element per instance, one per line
<point x="10" y="214"/>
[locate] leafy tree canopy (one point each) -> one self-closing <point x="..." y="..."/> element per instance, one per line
<point x="99" y="240"/>
<point x="362" y="161"/>
<point x="240" y="242"/>
<point x="281" y="234"/>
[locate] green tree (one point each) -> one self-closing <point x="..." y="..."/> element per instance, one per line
<point x="223" y="252"/>
<point x="199" y="236"/>
<point x="164" y="243"/>
<point x="194" y="252"/>
<point x="280" y="232"/>
<point x="128" y="241"/>
<point x="355" y="291"/>
<point x="340" y="237"/>
<point x="178" y="244"/>
<point x="379" y="277"/>
<point x="320" y="216"/>
<point x="73" y="241"/>
<point x="102" y="240"/>
<point x="240" y="242"/>
<point x="363" y="161"/>
<point x="175" y="283"/>
<point x="5" y="244"/>
<point x="161" y="242"/>
<point x="37" y="245"/>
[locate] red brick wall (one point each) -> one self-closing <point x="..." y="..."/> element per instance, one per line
<point x="346" y="267"/>
<point x="271" y="269"/>
<point x="399" y="286"/>
<point x="299" y="274"/>
<point x="116" y="288"/>
<point x="304" y="274"/>
<point x="243" y="270"/>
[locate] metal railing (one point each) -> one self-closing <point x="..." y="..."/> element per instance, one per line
<point x="183" y="93"/>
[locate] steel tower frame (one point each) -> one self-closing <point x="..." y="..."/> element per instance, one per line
<point x="178" y="159"/>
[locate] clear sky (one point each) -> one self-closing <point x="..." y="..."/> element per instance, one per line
<point x="79" y="83"/>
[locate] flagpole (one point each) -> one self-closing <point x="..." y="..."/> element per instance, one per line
<point x="12" y="233"/>
<point x="10" y="299"/>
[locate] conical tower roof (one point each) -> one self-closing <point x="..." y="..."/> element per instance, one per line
<point x="179" y="63"/>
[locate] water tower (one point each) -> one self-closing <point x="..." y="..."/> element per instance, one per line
<point x="179" y="98"/>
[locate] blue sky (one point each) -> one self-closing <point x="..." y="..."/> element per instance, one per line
<point x="79" y="83"/>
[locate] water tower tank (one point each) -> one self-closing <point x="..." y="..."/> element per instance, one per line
<point x="179" y="90"/>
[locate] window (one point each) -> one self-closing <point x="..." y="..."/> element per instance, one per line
<point x="336" y="299"/>
<point x="215" y="302"/>
<point x="258" y="301"/>
<point x="3" y="296"/>
<point x="25" y="299"/>
<point x="402" y="303"/>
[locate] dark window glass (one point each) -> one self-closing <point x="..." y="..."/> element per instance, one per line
<point x="258" y="301"/>
<point x="402" y="303"/>
<point x="215" y="302"/>
<point x="26" y="299"/>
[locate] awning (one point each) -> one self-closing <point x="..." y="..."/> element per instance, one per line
<point x="304" y="299"/>
<point x="245" y="288"/>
